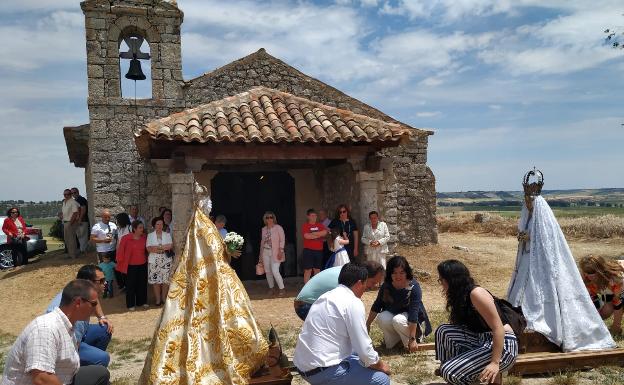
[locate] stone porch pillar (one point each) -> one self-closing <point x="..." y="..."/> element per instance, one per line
<point x="368" y="183"/>
<point x="181" y="205"/>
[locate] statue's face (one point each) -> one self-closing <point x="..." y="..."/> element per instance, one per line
<point x="528" y="199"/>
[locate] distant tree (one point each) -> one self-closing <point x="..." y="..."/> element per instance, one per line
<point x="615" y="37"/>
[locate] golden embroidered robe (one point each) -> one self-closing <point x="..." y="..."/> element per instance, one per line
<point x="207" y="333"/>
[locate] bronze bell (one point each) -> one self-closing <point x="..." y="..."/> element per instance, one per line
<point x="135" y="72"/>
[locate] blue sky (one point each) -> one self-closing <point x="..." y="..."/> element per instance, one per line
<point x="506" y="85"/>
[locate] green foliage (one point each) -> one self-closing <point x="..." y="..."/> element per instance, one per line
<point x="56" y="230"/>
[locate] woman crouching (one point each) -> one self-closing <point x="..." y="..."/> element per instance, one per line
<point x="476" y="344"/>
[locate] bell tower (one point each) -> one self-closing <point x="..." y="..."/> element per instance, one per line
<point x="109" y="23"/>
<point x="144" y="37"/>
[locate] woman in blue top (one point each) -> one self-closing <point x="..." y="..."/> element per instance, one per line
<point x="399" y="309"/>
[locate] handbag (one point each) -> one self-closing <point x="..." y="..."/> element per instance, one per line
<point x="511" y="315"/>
<point x="260" y="268"/>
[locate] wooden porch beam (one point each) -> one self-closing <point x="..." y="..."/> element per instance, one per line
<point x="272" y="151"/>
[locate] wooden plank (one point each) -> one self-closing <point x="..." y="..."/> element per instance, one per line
<point x="426" y="346"/>
<point x="536" y="363"/>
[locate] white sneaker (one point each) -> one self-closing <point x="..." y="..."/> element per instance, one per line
<point x="131" y="308"/>
<point x="145" y="305"/>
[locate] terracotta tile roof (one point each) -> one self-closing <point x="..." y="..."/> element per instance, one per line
<point x="265" y="115"/>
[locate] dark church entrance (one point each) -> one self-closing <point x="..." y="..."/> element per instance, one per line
<point x="243" y="197"/>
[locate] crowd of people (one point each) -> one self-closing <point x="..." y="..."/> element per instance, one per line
<point x="548" y="294"/>
<point x="327" y="243"/>
<point x="131" y="257"/>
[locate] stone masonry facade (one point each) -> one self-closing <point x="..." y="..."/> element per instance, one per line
<point x="117" y="176"/>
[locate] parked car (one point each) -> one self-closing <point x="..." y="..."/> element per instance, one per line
<point x="35" y="245"/>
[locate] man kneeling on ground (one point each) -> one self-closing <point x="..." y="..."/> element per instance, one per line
<point x="327" y="280"/>
<point x="45" y="352"/>
<point x="92" y="339"/>
<point x="334" y="346"/>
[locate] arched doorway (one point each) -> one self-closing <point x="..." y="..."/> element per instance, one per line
<point x="243" y="197"/>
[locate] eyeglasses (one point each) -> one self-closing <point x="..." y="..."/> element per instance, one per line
<point x="342" y="211"/>
<point x="14" y="212"/>
<point x="269" y="217"/>
<point x="100" y="281"/>
<point x="93" y="303"/>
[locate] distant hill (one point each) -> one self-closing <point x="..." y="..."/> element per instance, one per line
<point x="607" y="197"/>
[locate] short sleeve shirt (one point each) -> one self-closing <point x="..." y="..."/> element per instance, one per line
<point x="313" y="244"/>
<point x="320" y="284"/>
<point x="101" y="230"/>
<point x="46" y="344"/>
<point x="70" y="206"/>
<point x="82" y="201"/>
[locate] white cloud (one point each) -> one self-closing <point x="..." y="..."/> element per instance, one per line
<point x="428" y="114"/>
<point x="565" y="44"/>
<point x="57" y="38"/>
<point x="322" y="40"/>
<point x="39" y="5"/>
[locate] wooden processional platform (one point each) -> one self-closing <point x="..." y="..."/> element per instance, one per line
<point x="540" y="356"/>
<point x="276" y="371"/>
<point x="537" y="356"/>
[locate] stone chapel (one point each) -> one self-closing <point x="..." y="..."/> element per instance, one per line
<point x="257" y="132"/>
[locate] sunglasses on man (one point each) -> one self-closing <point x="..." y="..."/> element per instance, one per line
<point x="93" y="303"/>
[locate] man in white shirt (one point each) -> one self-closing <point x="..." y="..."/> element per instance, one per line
<point x="71" y="218"/>
<point x="333" y="346"/>
<point x="45" y="352"/>
<point x="103" y="235"/>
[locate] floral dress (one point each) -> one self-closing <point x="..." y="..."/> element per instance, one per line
<point x="159" y="265"/>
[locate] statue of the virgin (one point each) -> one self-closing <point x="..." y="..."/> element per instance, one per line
<point x="207" y="333"/>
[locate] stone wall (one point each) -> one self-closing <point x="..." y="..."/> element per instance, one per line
<point x="339" y="186"/>
<point x="409" y="188"/>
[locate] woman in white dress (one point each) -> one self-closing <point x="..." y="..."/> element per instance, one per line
<point x="546" y="282"/>
<point x="375" y="238"/>
<point x="340" y="256"/>
<point x="159" y="262"/>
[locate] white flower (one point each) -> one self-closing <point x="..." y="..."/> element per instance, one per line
<point x="234" y="240"/>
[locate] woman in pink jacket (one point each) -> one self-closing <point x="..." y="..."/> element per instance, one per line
<point x="272" y="251"/>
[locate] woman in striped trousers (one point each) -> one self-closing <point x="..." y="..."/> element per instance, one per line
<point x="476" y="344"/>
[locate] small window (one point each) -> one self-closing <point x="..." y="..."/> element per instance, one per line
<point x="134" y="50"/>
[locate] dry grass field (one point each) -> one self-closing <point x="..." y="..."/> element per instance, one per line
<point x="591" y="227"/>
<point x="25" y="292"/>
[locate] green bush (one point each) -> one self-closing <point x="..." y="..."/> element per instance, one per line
<point x="56" y="230"/>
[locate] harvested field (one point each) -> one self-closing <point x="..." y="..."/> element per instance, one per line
<point x="600" y="227"/>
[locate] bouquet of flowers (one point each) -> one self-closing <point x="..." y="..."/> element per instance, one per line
<point x="233" y="241"/>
